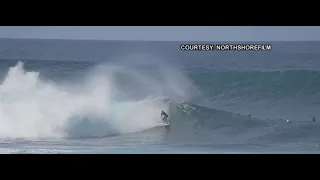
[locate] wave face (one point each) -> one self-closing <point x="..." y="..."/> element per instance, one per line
<point x="292" y="94"/>
<point x="198" y="124"/>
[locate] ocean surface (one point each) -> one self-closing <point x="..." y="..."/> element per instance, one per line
<point x="81" y="96"/>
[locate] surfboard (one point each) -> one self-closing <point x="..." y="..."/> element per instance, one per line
<point x="166" y="122"/>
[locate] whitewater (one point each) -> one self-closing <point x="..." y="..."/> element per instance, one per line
<point x="64" y="96"/>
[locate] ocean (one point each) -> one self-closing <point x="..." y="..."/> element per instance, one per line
<point x="87" y="96"/>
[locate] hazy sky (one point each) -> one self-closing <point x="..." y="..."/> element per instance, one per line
<point x="200" y="33"/>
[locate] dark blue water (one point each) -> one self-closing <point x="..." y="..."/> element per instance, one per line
<point x="63" y="96"/>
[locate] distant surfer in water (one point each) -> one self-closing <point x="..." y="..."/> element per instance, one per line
<point x="164" y="117"/>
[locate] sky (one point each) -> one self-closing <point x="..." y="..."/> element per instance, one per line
<point x="165" y="33"/>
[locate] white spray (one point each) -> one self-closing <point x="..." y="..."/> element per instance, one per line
<point x="33" y="108"/>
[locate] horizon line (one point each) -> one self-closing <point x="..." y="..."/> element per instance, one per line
<point x="89" y="39"/>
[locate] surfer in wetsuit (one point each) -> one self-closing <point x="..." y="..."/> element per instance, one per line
<point x="165" y="116"/>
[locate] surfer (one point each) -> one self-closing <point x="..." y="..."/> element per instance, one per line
<point x="165" y="116"/>
<point x="314" y="119"/>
